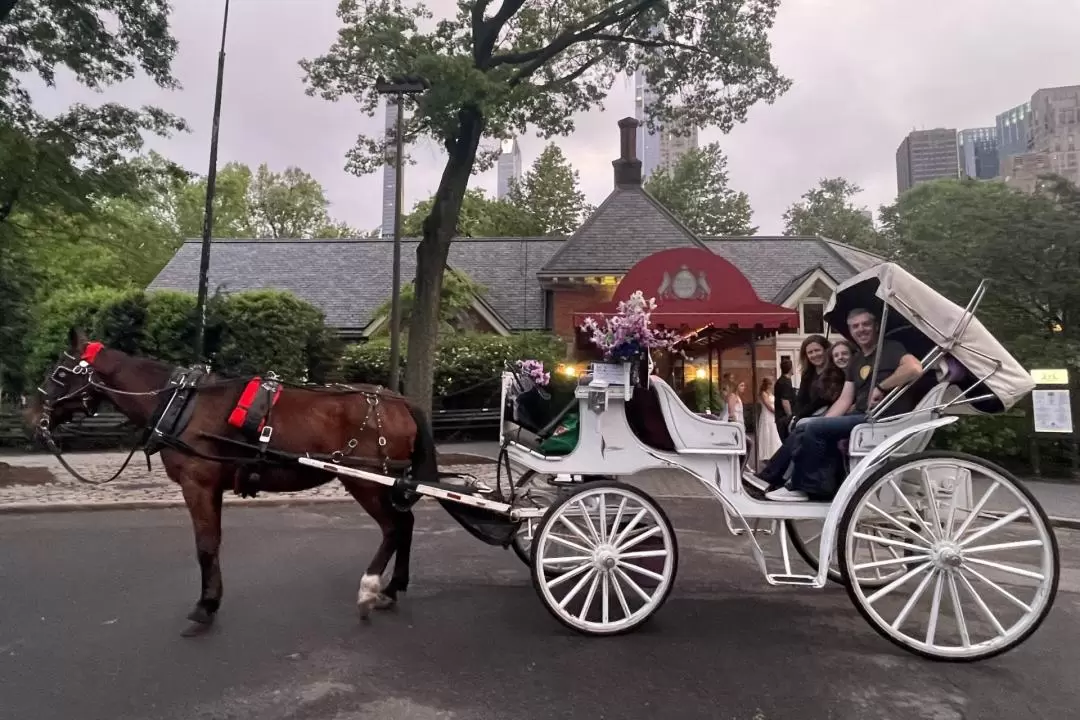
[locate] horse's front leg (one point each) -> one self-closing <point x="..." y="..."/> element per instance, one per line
<point x="204" y="504"/>
<point x="371" y="498"/>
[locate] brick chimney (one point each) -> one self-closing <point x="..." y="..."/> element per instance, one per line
<point x="628" y="166"/>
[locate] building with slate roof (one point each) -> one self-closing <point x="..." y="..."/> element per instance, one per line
<point x="534" y="283"/>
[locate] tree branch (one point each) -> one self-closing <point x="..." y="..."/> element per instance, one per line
<point x="532" y="60"/>
<point x="643" y="42"/>
<point x="484" y="44"/>
<point x="572" y="76"/>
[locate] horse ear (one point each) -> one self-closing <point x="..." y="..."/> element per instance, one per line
<point x="76" y="340"/>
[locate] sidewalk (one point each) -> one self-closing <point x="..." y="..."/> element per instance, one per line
<point x="37" y="482"/>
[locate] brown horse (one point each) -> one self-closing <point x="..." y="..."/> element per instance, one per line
<point x="187" y="417"/>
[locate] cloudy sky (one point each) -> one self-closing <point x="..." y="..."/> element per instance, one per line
<point x="865" y="73"/>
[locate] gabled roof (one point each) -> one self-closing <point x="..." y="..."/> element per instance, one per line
<point x="785" y="292"/>
<point x="771" y="262"/>
<point x="350" y="279"/>
<point x="628" y="226"/>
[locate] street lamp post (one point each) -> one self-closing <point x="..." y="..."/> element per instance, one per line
<point x="211" y="187"/>
<point x="398" y="86"/>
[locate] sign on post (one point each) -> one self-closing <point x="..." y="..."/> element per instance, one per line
<point x="1053" y="376"/>
<point x="1052" y="411"/>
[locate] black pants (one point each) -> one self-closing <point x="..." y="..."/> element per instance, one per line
<point x="782" y="425"/>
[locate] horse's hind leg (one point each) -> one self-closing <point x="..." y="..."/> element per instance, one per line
<point x="403" y="530"/>
<point x="204" y="505"/>
<point x="371" y="498"/>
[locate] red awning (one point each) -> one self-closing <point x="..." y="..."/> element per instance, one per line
<point x="695" y="288"/>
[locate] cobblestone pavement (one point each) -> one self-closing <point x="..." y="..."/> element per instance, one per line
<point x="139" y="485"/>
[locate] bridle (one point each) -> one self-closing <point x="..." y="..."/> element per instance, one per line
<point x="83" y="394"/>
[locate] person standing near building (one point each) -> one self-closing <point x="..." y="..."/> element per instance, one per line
<point x="784" y="399"/>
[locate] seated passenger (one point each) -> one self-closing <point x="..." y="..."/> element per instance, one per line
<point x="820" y="385"/>
<point x="817" y="437"/>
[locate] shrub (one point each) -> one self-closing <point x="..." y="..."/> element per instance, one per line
<point x="700" y="395"/>
<point x="467" y="367"/>
<point x="247" y="333"/>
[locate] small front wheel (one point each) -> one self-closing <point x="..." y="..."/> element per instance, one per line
<point x="604" y="558"/>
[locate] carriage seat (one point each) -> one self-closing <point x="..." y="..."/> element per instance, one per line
<point x="941" y="386"/>
<point x="690" y="431"/>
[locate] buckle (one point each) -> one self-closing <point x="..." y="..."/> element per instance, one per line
<point x="264" y="436"/>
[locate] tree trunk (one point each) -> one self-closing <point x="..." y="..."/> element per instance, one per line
<point x="6" y="6"/>
<point x="431" y="256"/>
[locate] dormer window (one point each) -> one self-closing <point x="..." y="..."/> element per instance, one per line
<point x="812" y="316"/>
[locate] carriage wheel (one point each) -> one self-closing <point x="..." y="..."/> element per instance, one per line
<point x="872" y="578"/>
<point x="604" y="558"/>
<point x="536" y="490"/>
<point x="982" y="570"/>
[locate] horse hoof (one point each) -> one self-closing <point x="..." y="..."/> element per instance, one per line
<point x="384" y="602"/>
<point x="200" y="615"/>
<point x="195" y="629"/>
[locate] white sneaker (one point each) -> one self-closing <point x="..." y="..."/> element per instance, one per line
<point x="785" y="495"/>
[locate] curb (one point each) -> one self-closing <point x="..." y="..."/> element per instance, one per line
<point x="42" y="508"/>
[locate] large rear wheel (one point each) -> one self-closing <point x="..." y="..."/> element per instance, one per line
<point x="981" y="566"/>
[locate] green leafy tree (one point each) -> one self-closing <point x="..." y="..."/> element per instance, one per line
<point x="260" y="204"/>
<point x="549" y="192"/>
<point x="458" y="294"/>
<point x="696" y="190"/>
<point x="954" y="234"/>
<point x="496" y="70"/>
<point x="828" y="211"/>
<point x="71" y="161"/>
<point x="480" y="216"/>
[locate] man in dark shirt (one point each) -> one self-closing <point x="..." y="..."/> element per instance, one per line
<point x="818" y="437"/>
<point x="784" y="396"/>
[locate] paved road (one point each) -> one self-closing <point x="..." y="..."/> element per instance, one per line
<point x="92" y="605"/>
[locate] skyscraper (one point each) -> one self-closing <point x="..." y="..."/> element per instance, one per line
<point x="509" y="166"/>
<point x="648" y="142"/>
<point x="926" y="155"/>
<point x="978" y="153"/>
<point x="673" y="147"/>
<point x="1053" y="139"/>
<point x="1013" y="131"/>
<point x="389" y="183"/>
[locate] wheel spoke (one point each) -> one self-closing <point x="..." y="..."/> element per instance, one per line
<point x="569" y="575"/>
<point x="633" y="585"/>
<point x="1000" y="522"/>
<point x="1005" y="568"/>
<point x="587" y="514"/>
<point x="1014" y="545"/>
<point x="577" y="588"/>
<point x="958" y="609"/>
<point x="654" y="530"/>
<point x="603" y="518"/>
<point x="549" y="561"/>
<point x="622" y="597"/>
<point x="630" y="526"/>
<point x="643" y="554"/>
<point x="998" y="589"/>
<point x="897" y="583"/>
<point x="935" y="610"/>
<point x="901" y="526"/>
<point x="569" y="543"/>
<point x="891" y="561"/>
<point x="605" y="599"/>
<point x="618" y="517"/>
<point x="887" y="541"/>
<point x="975" y="510"/>
<point x="931" y="500"/>
<point x="911" y="508"/>
<point x="958" y="483"/>
<point x="577" y="531"/>
<point x="906" y="610"/>
<point x="587" y="605"/>
<point x="987" y="613"/>
<point x="642" y="571"/>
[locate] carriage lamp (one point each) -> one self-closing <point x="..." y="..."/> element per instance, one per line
<point x="568" y="370"/>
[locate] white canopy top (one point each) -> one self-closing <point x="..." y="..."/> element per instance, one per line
<point x="939" y="319"/>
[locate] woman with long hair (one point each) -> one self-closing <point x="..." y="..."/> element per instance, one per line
<point x="813" y="357"/>
<point x="766" y="436"/>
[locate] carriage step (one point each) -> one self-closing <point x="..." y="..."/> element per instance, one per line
<point x="802" y="580"/>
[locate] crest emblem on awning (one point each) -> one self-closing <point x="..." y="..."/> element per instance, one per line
<point x="685" y="285"/>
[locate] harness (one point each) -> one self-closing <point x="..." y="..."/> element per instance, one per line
<point x="251" y="417"/>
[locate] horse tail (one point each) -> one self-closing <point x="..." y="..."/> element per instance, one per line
<point x="425" y="462"/>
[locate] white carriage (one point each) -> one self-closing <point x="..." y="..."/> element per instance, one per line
<point x="944" y="554"/>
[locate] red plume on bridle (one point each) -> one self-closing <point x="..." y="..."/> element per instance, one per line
<point x="91" y="351"/>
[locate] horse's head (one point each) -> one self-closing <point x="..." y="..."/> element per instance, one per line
<point x="68" y="388"/>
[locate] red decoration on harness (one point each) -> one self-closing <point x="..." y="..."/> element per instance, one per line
<point x="91" y="351"/>
<point x="239" y="416"/>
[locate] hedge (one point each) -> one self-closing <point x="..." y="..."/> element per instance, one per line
<point x="247" y="332"/>
<point x="467" y="366"/>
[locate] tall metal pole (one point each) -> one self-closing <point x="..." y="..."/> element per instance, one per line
<point x="398" y="87"/>
<point x="395" y="283"/>
<point x="211" y="187"/>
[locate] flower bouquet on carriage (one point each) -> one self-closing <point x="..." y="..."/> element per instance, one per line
<point x="628" y="336"/>
<point x="529" y="401"/>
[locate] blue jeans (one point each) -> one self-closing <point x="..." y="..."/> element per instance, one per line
<point x="815" y="453"/>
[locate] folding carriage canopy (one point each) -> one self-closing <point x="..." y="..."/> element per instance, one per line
<point x="921" y="319"/>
